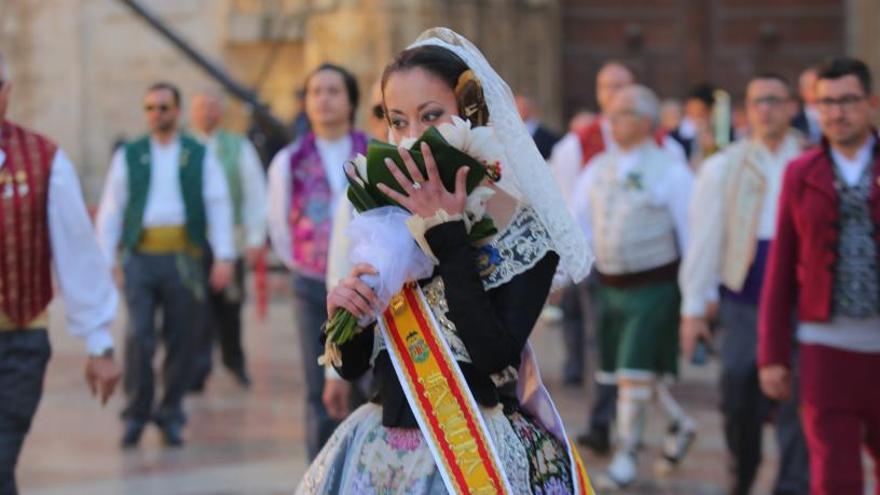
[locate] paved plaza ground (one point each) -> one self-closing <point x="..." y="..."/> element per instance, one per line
<point x="250" y="442"/>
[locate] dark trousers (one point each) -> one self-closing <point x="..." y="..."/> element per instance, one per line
<point x="222" y="324"/>
<point x="309" y="314"/>
<point x="605" y="395"/>
<point x="23" y="358"/>
<point x="745" y="408"/>
<point x="574" y="300"/>
<point x="604" y="407"/>
<point x="174" y="284"/>
<point x="841" y="409"/>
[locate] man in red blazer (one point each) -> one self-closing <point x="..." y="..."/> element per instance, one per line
<point x="824" y="263"/>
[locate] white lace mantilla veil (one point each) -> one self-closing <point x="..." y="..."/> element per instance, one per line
<point x="526" y="176"/>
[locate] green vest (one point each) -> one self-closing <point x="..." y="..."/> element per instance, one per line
<point x="229" y="156"/>
<point x="138" y="161"/>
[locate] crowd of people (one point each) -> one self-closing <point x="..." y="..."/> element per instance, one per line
<point x="755" y="237"/>
<point x="681" y="210"/>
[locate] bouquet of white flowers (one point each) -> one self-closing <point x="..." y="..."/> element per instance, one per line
<point x="379" y="233"/>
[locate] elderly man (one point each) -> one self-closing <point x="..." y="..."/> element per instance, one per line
<point x="246" y="183"/>
<point x="733" y="219"/>
<point x="45" y="225"/>
<point x="165" y="202"/>
<point x="633" y="208"/>
<point x="824" y="263"/>
<point x="571" y="155"/>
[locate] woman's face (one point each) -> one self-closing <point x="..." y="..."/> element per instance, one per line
<point x="415" y="100"/>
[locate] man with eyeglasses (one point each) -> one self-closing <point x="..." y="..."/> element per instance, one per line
<point x="732" y="222"/>
<point x="633" y="210"/>
<point x="44" y="227"/>
<point x="165" y="202"/>
<point x="824" y="264"/>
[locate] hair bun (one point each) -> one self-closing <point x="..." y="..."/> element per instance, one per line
<point x="471" y="102"/>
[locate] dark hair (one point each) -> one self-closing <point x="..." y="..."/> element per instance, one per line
<point x="448" y="67"/>
<point x="703" y="92"/>
<point x="351" y="85"/>
<point x="773" y="76"/>
<point x="846" y="66"/>
<point x="166" y="86"/>
<point x="439" y="61"/>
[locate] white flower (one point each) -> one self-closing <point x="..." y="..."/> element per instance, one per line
<point x="332" y="355"/>
<point x="360" y="164"/>
<point x="475" y="208"/>
<point x="478" y="142"/>
<point x="408" y="142"/>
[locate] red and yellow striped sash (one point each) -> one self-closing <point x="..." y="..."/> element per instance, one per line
<point x="447" y="413"/>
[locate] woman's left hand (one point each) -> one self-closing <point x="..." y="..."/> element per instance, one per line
<point x="424" y="197"/>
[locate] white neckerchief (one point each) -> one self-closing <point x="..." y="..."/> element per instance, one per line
<point x="852" y="170"/>
<point x="607" y="137"/>
<point x="627" y="160"/>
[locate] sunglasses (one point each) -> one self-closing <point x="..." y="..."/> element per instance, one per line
<point x="378" y="111"/>
<point x="162" y="108"/>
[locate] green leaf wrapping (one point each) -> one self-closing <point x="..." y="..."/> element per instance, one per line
<point x="447" y="158"/>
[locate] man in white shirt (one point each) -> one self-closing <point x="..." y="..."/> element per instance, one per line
<point x="633" y="209"/>
<point x="732" y="222"/>
<point x="165" y="202"/>
<point x="246" y="183"/>
<point x="573" y="152"/>
<point x="306" y="183"/>
<point x="42" y="197"/>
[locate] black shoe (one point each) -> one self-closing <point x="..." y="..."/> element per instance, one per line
<point x="172" y="435"/>
<point x="596" y="440"/>
<point x="573" y="380"/>
<point x="242" y="377"/>
<point x="132" y="435"/>
<point x="197" y="386"/>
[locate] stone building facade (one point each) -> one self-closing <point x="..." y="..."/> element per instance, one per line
<point x="80" y="66"/>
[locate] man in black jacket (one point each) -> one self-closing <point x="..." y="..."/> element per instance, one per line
<point x="544" y="138"/>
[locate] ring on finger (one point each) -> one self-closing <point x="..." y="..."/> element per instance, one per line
<point x="416" y="185"/>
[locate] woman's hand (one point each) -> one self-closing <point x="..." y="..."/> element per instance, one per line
<point x="354" y="295"/>
<point x="424" y="197"/>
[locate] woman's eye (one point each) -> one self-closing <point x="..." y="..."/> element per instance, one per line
<point x="432" y="116"/>
<point x="398" y="124"/>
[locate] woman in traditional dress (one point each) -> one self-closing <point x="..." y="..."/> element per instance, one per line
<point x="483" y="302"/>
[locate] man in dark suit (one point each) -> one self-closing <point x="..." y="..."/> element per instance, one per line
<point x="807" y="120"/>
<point x="544" y="138"/>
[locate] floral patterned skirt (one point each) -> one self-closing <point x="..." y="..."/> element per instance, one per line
<point x="364" y="457"/>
